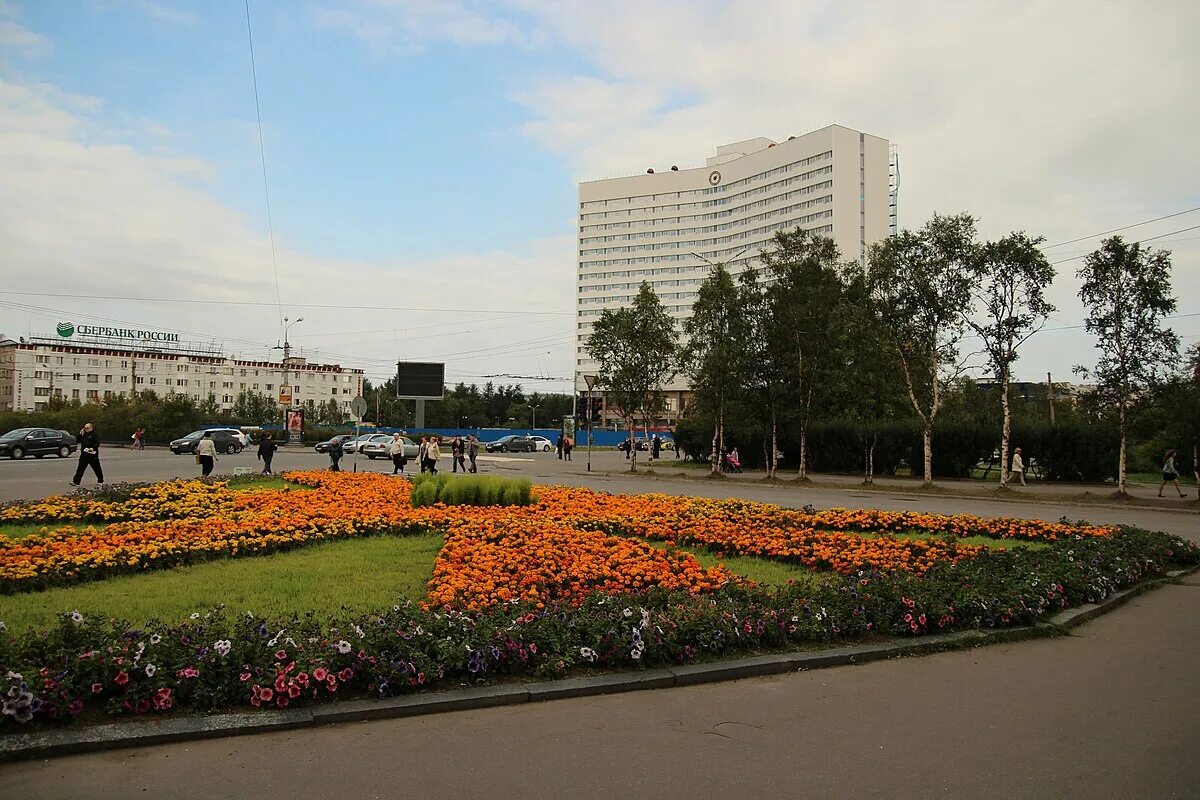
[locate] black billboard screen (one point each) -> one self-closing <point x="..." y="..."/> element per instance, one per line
<point x="420" y="381"/>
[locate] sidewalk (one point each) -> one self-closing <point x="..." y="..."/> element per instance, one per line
<point x="1106" y="712"/>
<point x="1142" y="495"/>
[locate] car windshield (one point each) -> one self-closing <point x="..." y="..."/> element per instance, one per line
<point x="194" y="435"/>
<point x="19" y="433"/>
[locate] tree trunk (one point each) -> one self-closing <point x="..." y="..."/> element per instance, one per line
<point x="927" y="441"/>
<point x="871" y="458"/>
<point x="632" y="444"/>
<point x="774" y="464"/>
<point x="1005" y="431"/>
<point x="720" y="431"/>
<point x="714" y="459"/>
<point x="1121" y="465"/>
<point x="1196" y="466"/>
<point x="802" y="474"/>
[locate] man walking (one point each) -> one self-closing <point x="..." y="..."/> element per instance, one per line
<point x="457" y="449"/>
<point x="396" y="451"/>
<point x="266" y="451"/>
<point x="89" y="454"/>
<point x="472" y="450"/>
<point x="655" y="447"/>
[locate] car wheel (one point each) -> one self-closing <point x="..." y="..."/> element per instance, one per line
<point x="545" y="448"/>
<point x="371" y="456"/>
<point x="17" y="453"/>
<point x="503" y="448"/>
<point x="236" y="448"/>
<point x="64" y="451"/>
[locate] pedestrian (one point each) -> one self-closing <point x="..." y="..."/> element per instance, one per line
<point x="568" y="446"/>
<point x="266" y="451"/>
<point x="675" y="445"/>
<point x="433" y="452"/>
<point x="335" y="454"/>
<point x="628" y="447"/>
<point x="89" y="454"/>
<point x="1170" y="474"/>
<point x="206" y="454"/>
<point x="396" y="451"/>
<point x="1018" y="466"/>
<point x="457" y="451"/>
<point x="422" y="454"/>
<point x="558" y="445"/>
<point x="139" y="439"/>
<point x="655" y="447"/>
<point x="473" y="450"/>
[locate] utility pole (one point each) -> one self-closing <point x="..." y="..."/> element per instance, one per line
<point x="287" y="354"/>
<point x="1050" y="396"/>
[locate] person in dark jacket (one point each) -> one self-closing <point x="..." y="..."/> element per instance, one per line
<point x="473" y="450"/>
<point x="266" y="451"/>
<point x="335" y="454"/>
<point x="457" y="450"/>
<point x="655" y="447"/>
<point x="89" y="454"/>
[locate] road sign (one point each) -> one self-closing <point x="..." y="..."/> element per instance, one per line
<point x="358" y="406"/>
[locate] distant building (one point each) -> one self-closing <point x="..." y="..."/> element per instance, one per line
<point x="34" y="371"/>
<point x="661" y="226"/>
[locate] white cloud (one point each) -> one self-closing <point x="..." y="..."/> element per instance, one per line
<point x="165" y="13"/>
<point x="1062" y="118"/>
<point x="17" y="38"/>
<point x="85" y="214"/>
<point x="405" y="26"/>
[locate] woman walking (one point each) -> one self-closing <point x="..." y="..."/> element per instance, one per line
<point x="266" y="451"/>
<point x="433" y="452"/>
<point x="457" y="449"/>
<point x="206" y="454"/>
<point x="473" y="450"/>
<point x="89" y="454"/>
<point x="1170" y="474"/>
<point x="1018" y="466"/>
<point x="396" y="451"/>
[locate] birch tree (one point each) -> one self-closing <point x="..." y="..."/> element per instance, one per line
<point x="921" y="284"/>
<point x="1127" y="292"/>
<point x="635" y="349"/>
<point x="1011" y="278"/>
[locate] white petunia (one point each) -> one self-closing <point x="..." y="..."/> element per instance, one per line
<point x="150" y="670"/>
<point x="342" y="647"/>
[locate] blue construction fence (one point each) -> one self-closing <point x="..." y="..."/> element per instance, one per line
<point x="600" y="438"/>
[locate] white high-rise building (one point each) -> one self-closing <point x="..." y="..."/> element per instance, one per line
<point x="660" y="226"/>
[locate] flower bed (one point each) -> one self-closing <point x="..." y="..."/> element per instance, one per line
<point x="537" y="590"/>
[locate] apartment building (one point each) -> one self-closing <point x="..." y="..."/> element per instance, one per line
<point x="36" y="369"/>
<point x="665" y="225"/>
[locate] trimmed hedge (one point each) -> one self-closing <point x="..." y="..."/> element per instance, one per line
<point x="471" y="490"/>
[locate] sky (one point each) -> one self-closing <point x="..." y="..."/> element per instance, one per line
<point x="422" y="157"/>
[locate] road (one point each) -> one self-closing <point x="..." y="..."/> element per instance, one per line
<point x="1108" y="712"/>
<point x="33" y="478"/>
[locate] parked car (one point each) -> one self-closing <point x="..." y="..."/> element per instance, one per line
<point x="353" y="443"/>
<point x="641" y="444"/>
<point x="542" y="443"/>
<point x="377" y="446"/>
<point x="323" y="447"/>
<point x="36" y="442"/>
<point x="511" y="443"/>
<point x="223" y="439"/>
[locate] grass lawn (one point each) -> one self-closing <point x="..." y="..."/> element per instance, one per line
<point x="359" y="574"/>
<point x="760" y="570"/>
<point x="980" y="541"/>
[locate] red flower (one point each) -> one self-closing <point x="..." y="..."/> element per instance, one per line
<point x="320" y="673"/>
<point x="345" y="675"/>
<point x="122" y="678"/>
<point x="280" y="655"/>
<point x="142" y="707"/>
<point x="302" y="679"/>
<point x="75" y="707"/>
<point x="293" y="691"/>
<point x="245" y="676"/>
<point x="254" y="701"/>
<point x="266" y="694"/>
<point x="282" y="701"/>
<point x="97" y="688"/>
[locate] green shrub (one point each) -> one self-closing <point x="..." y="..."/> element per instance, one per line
<point x="472" y="490"/>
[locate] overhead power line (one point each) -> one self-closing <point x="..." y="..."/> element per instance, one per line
<point x="1147" y="239"/>
<point x="262" y="152"/>
<point x="1123" y="228"/>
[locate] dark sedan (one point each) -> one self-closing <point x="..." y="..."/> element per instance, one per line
<point x="223" y="440"/>
<point x="36" y="442"/>
<point x="514" y="444"/>
<point x="323" y="447"/>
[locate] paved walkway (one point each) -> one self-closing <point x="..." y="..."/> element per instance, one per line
<point x="1111" y="711"/>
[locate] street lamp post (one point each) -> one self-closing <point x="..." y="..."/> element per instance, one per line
<point x="591" y="380"/>
<point x="535" y="408"/>
<point x="287" y="354"/>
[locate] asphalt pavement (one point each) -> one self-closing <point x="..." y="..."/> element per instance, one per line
<point x="1108" y="712"/>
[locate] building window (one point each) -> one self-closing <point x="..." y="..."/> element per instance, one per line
<point x="41" y="391"/>
<point x="43" y="359"/>
<point x="76" y="376"/>
<point x="139" y="380"/>
<point x="153" y="380"/>
<point x="93" y="378"/>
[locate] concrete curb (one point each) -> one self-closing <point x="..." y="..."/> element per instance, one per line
<point x="44" y="744"/>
